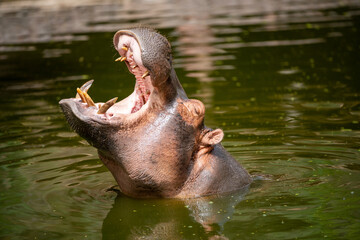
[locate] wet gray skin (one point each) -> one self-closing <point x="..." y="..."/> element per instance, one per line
<point x="155" y="142"/>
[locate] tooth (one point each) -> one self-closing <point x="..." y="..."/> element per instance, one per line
<point x="124" y="48"/>
<point x="145" y="74"/>
<point x="120" y="59"/>
<point x="107" y="105"/>
<point x="80" y="94"/>
<point x="85" y="87"/>
<point x="134" y="66"/>
<point x="88" y="99"/>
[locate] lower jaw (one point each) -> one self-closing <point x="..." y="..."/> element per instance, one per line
<point x="141" y="95"/>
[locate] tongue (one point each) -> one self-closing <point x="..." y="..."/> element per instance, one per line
<point x="136" y="108"/>
<point x="142" y="92"/>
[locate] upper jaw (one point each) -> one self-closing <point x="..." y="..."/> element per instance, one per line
<point x="130" y="52"/>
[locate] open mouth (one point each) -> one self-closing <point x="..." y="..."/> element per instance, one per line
<point x="130" y="53"/>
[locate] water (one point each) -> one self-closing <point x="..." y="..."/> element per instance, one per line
<point x="281" y="78"/>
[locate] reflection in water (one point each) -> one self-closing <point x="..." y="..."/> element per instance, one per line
<point x="195" y="46"/>
<point x="45" y="21"/>
<point x="196" y="41"/>
<point x="213" y="212"/>
<point x="170" y="219"/>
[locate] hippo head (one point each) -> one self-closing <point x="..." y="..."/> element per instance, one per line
<point x="154" y="141"/>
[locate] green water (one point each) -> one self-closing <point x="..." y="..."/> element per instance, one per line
<point x="282" y="79"/>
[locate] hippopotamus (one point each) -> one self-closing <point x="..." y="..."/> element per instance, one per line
<point x="154" y="142"/>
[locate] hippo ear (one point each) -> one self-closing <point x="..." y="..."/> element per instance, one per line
<point x="213" y="137"/>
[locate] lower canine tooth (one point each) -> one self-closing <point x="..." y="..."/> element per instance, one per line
<point x="81" y="95"/>
<point x="88" y="99"/>
<point x="118" y="59"/>
<point x="107" y="105"/>
<point x="123" y="59"/>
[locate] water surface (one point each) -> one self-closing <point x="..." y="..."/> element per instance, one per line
<point x="281" y="78"/>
